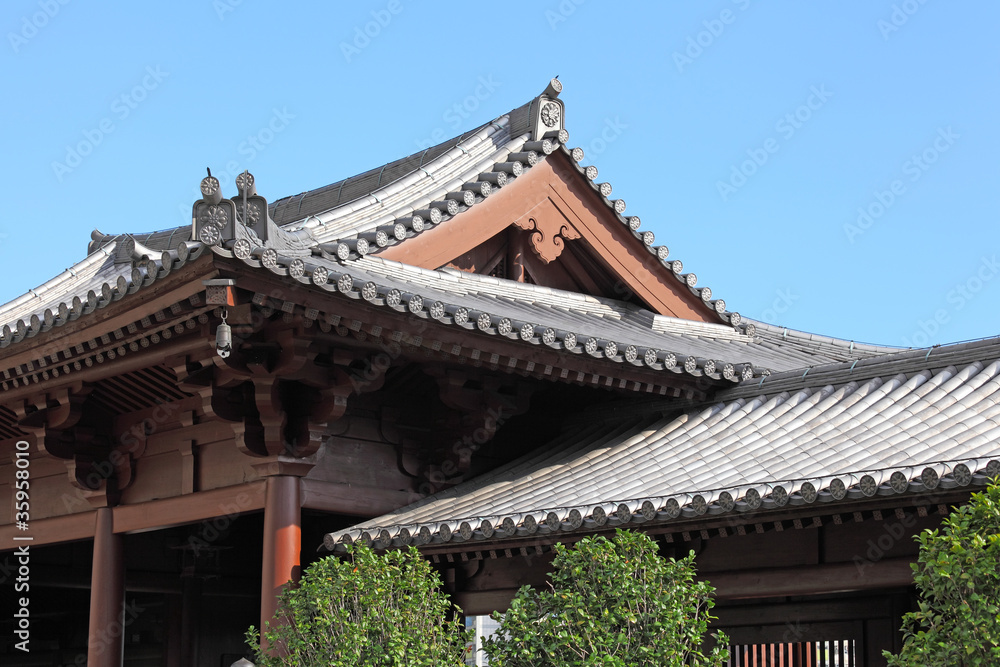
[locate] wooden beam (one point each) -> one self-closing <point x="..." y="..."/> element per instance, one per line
<point x="133" y="361"/>
<point x="166" y="512"/>
<point x="749" y="584"/>
<point x="812" y="580"/>
<point x="482" y="603"/>
<point x="152" y="515"/>
<point x="848" y="609"/>
<point x="68" y="528"/>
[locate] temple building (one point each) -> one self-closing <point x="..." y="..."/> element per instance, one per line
<point x="474" y="350"/>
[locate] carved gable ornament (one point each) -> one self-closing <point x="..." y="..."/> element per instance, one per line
<point x="550" y="230"/>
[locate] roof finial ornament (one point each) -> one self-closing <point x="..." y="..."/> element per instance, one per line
<point x="210" y="188"/>
<point x="549" y="116"/>
<point x="212" y="217"/>
<point x="245" y="184"/>
<point x="251" y="207"/>
<point x="554" y="88"/>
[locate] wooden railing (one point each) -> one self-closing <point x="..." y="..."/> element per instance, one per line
<point x="834" y="653"/>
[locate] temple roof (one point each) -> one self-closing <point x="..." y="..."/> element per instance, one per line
<point x="107" y="275"/>
<point x="614" y="331"/>
<point x="330" y="238"/>
<point x="795" y="417"/>
<point x="901" y="423"/>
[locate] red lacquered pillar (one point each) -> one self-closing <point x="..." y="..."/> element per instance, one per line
<point x="282" y="541"/>
<point x="106" y="641"/>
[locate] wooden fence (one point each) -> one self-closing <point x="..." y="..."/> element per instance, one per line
<point x="836" y="653"/>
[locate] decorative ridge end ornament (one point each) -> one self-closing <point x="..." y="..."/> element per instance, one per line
<point x="252" y="208"/>
<point x="98" y="239"/>
<point x="216" y="220"/>
<point x="554" y="88"/>
<point x="550" y="116"/>
<point x="212" y="217"/>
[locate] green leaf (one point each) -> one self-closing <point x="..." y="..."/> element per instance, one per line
<point x="367" y="610"/>
<point x="957" y="578"/>
<point x="611" y="602"/>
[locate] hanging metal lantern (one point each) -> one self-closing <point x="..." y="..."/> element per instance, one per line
<point x="224" y="338"/>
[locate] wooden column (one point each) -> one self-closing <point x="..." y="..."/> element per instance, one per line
<point x="190" y="620"/>
<point x="172" y="645"/>
<point x="282" y="541"/>
<point x="105" y="645"/>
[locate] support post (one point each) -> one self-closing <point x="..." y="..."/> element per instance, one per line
<point x="106" y="642"/>
<point x="172" y="644"/>
<point x="282" y="542"/>
<point x="191" y="620"/>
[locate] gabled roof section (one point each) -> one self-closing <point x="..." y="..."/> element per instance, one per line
<point x="330" y="238"/>
<point x="530" y="315"/>
<point x="616" y="334"/>
<point x="425" y="188"/>
<point x="394" y="209"/>
<point x="902" y="426"/>
<point x="551" y="214"/>
<point x="395" y="204"/>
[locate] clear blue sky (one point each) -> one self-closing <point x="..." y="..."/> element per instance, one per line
<point x="746" y="135"/>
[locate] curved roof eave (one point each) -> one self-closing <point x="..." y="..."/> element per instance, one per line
<point x="891" y="434"/>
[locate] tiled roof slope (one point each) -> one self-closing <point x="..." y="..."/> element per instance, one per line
<point x="534" y="315"/>
<point x="607" y="319"/>
<point x="97" y="268"/>
<point x="388" y="195"/>
<point x="898" y="427"/>
<point x="390" y="204"/>
<point x="529" y="314"/>
<point x="803" y="349"/>
<point x="115" y="270"/>
<point x="332" y="229"/>
<point x="495" y="134"/>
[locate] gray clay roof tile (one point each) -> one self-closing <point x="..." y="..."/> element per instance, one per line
<point x="811" y="435"/>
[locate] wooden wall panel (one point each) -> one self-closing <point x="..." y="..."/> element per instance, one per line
<point x="54" y="496"/>
<point x="353" y="499"/>
<point x="352" y="461"/>
<point x="871" y="540"/>
<point x="157" y="476"/>
<point x="771" y="549"/>
<point x="222" y="464"/>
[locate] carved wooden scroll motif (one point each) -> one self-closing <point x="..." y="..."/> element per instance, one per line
<point x="550" y="230"/>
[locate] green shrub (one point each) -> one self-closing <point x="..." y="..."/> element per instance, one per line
<point x="364" y="611"/>
<point x="614" y="603"/>
<point x="958" y="578"/>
